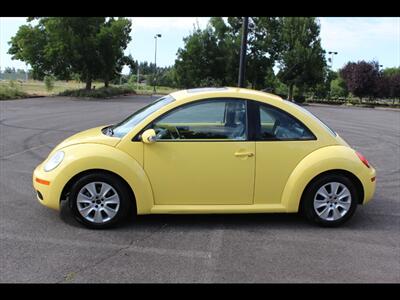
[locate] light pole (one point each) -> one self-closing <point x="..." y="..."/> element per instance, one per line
<point x="155" y="62"/>
<point x="332" y="53"/>
<point x="243" y="49"/>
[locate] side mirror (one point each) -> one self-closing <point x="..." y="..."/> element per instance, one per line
<point x="149" y="136"/>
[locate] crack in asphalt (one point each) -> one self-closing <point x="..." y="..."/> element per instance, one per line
<point x="35" y="128"/>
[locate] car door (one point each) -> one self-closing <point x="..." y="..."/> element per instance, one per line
<point x="202" y="155"/>
<point x="282" y="141"/>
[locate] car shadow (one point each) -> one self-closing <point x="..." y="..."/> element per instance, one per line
<point x="361" y="220"/>
<point x="218" y="221"/>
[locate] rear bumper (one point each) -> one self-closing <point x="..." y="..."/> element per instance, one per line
<point x="369" y="184"/>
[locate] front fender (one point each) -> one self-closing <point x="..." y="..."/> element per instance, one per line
<point x="83" y="157"/>
<point x="328" y="158"/>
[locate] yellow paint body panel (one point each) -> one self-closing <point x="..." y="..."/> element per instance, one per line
<point x="207" y="176"/>
<point x="200" y="172"/>
<point x="83" y="157"/>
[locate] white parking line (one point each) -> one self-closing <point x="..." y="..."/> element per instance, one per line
<point x="215" y="249"/>
<point x="86" y="244"/>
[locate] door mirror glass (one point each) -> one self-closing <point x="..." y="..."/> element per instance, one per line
<point x="149" y="136"/>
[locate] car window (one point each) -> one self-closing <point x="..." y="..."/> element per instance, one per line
<point x="330" y="130"/>
<point x="119" y="130"/>
<point x="208" y="119"/>
<point x="275" y="124"/>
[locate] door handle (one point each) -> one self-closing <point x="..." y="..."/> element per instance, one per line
<point x="240" y="154"/>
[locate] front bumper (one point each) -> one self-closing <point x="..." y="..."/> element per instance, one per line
<point x="48" y="189"/>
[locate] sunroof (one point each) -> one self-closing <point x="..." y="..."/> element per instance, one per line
<point x="207" y="89"/>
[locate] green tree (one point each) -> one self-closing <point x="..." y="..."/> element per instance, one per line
<point x="89" y="46"/>
<point x="167" y="77"/>
<point x="211" y="56"/>
<point x="113" y="38"/>
<point x="29" y="45"/>
<point x="391" y="71"/>
<point x="338" y="88"/>
<point x="323" y="89"/>
<point x="302" y="62"/>
<point x="199" y="59"/>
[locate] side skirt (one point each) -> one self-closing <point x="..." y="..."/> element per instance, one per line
<point x="218" y="209"/>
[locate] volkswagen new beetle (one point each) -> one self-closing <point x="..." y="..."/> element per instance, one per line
<point x="210" y="150"/>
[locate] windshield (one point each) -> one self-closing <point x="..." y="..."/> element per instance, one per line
<point x="122" y="128"/>
<point x="331" y="131"/>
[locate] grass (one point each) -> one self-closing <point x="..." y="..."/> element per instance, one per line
<point x="34" y="88"/>
<point x="38" y="88"/>
<point x="11" y="92"/>
<point x="16" y="89"/>
<point x="148" y="89"/>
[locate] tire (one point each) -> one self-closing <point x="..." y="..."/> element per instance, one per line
<point x="321" y="205"/>
<point x="107" y="210"/>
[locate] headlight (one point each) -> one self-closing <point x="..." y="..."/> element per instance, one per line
<point x="54" y="161"/>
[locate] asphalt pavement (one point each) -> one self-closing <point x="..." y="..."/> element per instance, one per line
<point x="36" y="245"/>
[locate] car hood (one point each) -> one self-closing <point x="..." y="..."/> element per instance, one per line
<point x="93" y="136"/>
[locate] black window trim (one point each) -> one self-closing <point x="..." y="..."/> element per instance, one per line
<point x="253" y="123"/>
<point x="249" y="126"/>
<point x="257" y="124"/>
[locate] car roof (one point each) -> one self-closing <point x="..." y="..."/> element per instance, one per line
<point x="222" y="92"/>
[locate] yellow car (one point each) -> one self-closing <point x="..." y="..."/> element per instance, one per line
<point x="208" y="150"/>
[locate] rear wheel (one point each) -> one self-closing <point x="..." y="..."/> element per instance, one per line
<point x="330" y="200"/>
<point x="99" y="200"/>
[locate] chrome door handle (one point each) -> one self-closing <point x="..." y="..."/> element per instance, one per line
<point x="239" y="154"/>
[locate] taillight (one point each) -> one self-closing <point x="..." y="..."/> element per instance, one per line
<point x="363" y="159"/>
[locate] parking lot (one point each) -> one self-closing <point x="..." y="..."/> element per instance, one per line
<point x="37" y="246"/>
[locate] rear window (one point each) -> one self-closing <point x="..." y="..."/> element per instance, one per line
<point x="330" y="130"/>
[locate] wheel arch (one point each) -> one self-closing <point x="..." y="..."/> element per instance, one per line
<point x="353" y="178"/>
<point x="331" y="159"/>
<point x="68" y="185"/>
<point x="82" y="159"/>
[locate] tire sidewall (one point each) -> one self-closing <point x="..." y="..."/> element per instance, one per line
<point x="100" y="177"/>
<point x="308" y="201"/>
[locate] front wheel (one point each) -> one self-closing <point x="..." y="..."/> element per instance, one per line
<point x="99" y="200"/>
<point x="330" y="200"/>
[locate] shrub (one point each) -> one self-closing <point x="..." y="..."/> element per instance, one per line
<point x="210" y="82"/>
<point x="102" y="92"/>
<point x="12" y="84"/>
<point x="49" y="82"/>
<point x="7" y="93"/>
<point x="299" y="98"/>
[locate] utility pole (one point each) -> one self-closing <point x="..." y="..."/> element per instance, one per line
<point x="243" y="49"/>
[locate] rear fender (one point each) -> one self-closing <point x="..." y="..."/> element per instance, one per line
<point x="328" y="158"/>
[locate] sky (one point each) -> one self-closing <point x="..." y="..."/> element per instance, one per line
<point x="354" y="38"/>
